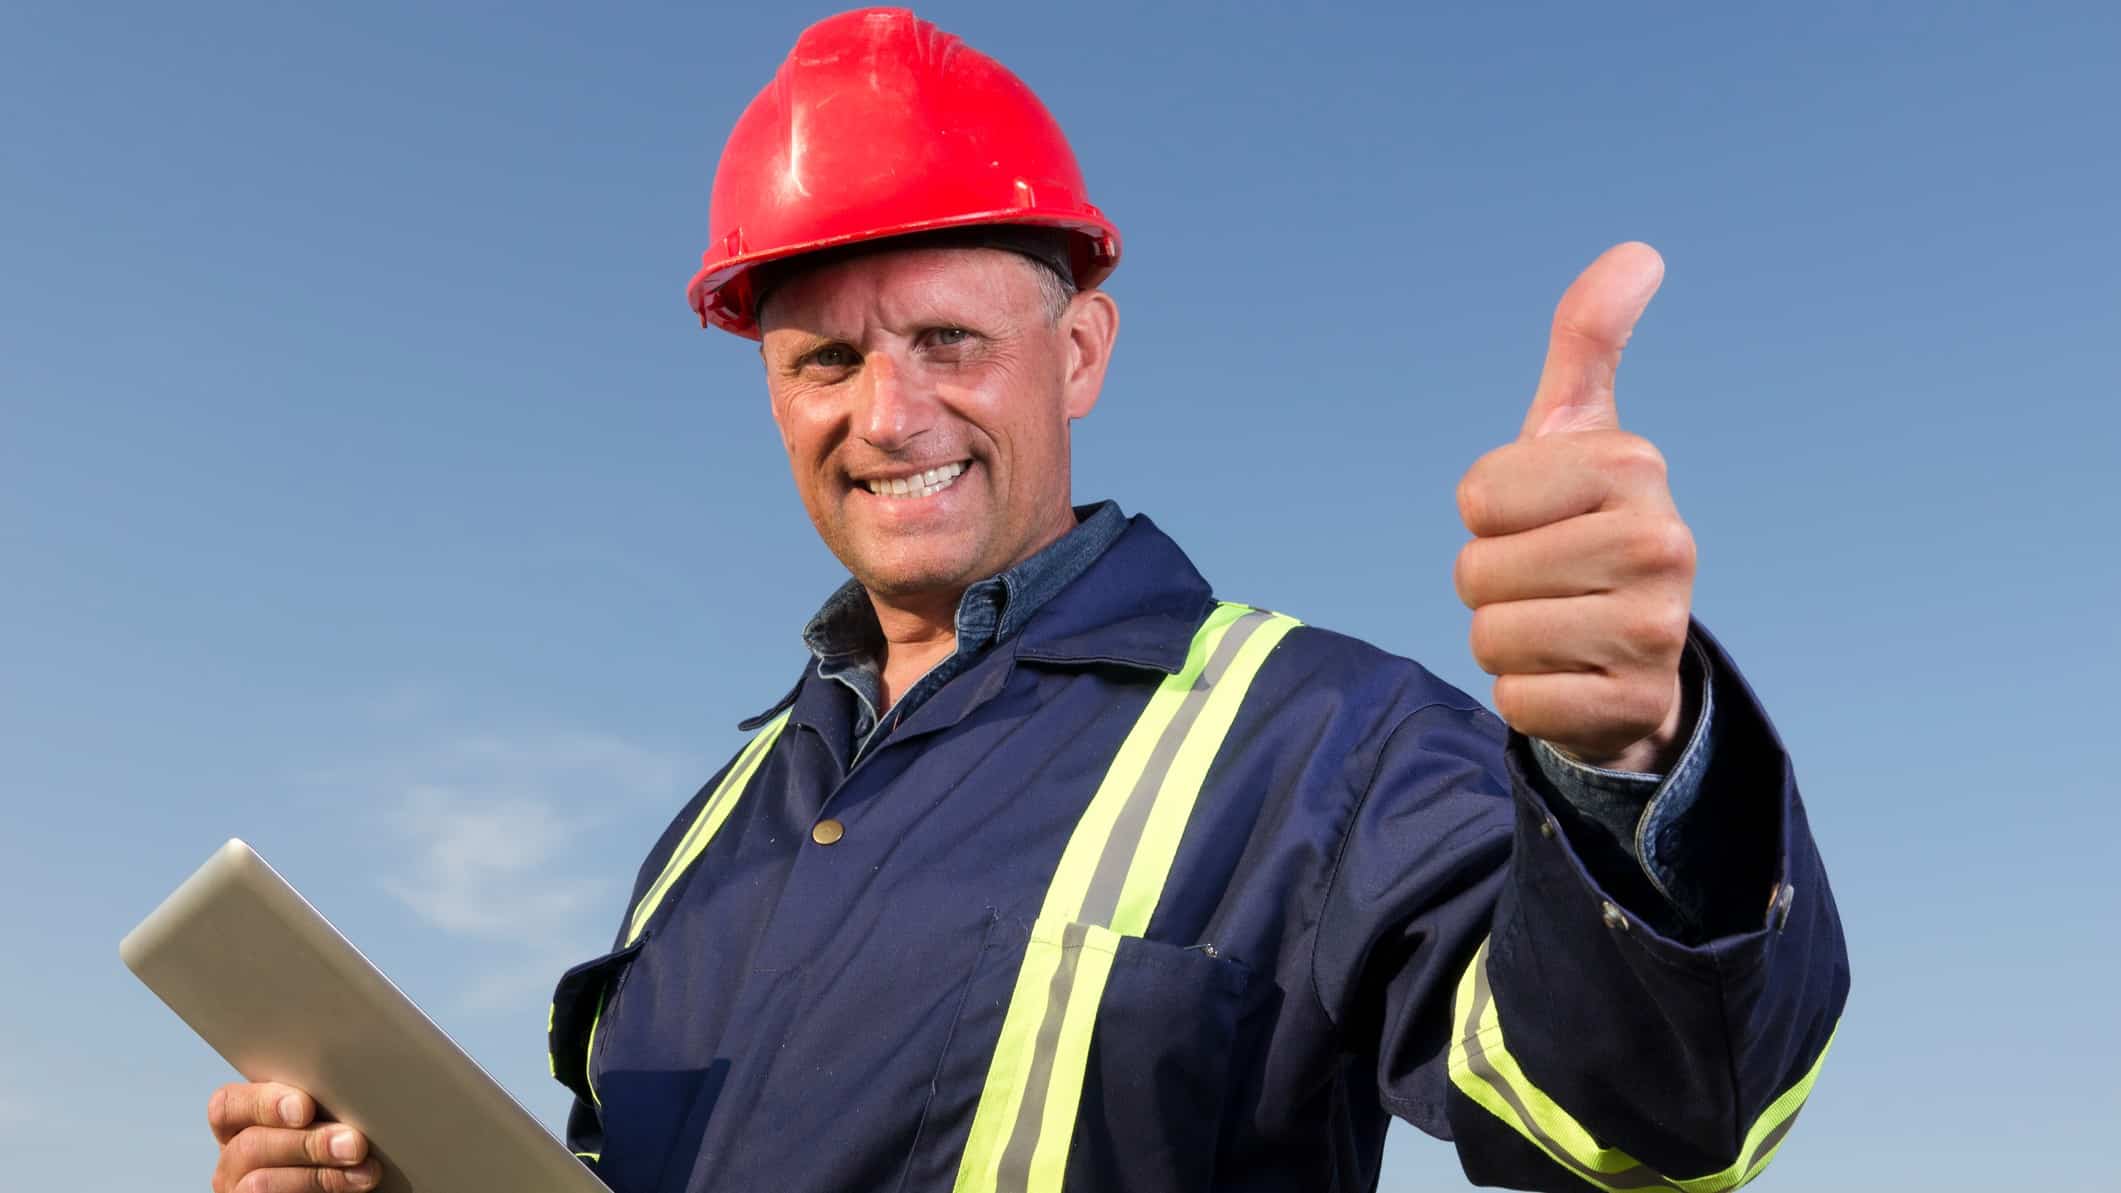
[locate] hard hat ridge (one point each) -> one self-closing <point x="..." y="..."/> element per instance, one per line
<point x="879" y="125"/>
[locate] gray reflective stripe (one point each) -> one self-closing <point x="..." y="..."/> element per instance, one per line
<point x="1023" y="1139"/>
<point x="1112" y="865"/>
<point x="1102" y="900"/>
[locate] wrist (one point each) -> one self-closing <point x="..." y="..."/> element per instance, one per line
<point x="1657" y="753"/>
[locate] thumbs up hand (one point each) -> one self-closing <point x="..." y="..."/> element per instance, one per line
<point x="1581" y="573"/>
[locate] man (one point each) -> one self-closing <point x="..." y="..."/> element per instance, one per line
<point x="1054" y="871"/>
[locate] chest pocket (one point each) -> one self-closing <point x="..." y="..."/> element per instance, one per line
<point x="1111" y="1067"/>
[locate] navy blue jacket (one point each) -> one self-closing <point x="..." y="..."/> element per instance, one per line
<point x="804" y="1016"/>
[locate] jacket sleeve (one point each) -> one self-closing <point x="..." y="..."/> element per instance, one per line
<point x="1531" y="995"/>
<point x="585" y="1133"/>
<point x="577" y="1000"/>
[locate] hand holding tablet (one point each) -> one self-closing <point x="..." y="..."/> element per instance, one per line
<point x="318" y="1031"/>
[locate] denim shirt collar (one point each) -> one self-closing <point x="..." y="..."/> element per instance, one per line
<point x="845" y="632"/>
<point x="847" y="644"/>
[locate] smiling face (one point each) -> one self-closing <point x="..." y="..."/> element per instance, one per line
<point x="924" y="397"/>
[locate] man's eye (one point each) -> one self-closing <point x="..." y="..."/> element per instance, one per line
<point x="833" y="356"/>
<point x="944" y="337"/>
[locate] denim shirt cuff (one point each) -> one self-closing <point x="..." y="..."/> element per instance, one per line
<point x="1640" y="809"/>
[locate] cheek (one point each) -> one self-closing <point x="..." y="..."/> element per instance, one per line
<point x="805" y="428"/>
<point x="1025" y="422"/>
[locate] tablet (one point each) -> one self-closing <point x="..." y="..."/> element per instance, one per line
<point x="250" y="966"/>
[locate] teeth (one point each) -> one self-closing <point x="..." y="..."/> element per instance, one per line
<point x="922" y="484"/>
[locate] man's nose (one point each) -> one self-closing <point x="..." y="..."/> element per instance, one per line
<point x="894" y="405"/>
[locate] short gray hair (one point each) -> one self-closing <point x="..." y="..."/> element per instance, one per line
<point x="1057" y="291"/>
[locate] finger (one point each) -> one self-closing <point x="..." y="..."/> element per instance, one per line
<point x="1536" y="637"/>
<point x="366" y="1176"/>
<point x="238" y="1105"/>
<point x="284" y="1147"/>
<point x="1531" y="483"/>
<point x="1636" y="630"/>
<point x="1588" y="715"/>
<point x="1591" y="325"/>
<point x="1591" y="553"/>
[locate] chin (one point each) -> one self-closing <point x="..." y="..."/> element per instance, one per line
<point x="904" y="582"/>
<point x="910" y="574"/>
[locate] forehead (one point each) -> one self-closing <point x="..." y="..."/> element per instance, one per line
<point x="897" y="284"/>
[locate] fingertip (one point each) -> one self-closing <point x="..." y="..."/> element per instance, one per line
<point x="1639" y="253"/>
<point x="294" y="1110"/>
<point x="347" y="1145"/>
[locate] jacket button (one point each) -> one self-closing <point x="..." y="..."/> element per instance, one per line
<point x="1615" y="918"/>
<point x="825" y="832"/>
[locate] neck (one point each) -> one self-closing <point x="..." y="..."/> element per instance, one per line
<point x="919" y="632"/>
<point x="920" y="628"/>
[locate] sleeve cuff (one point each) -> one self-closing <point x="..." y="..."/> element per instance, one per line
<point x="1637" y="808"/>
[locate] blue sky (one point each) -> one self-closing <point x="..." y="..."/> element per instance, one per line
<point x="366" y="489"/>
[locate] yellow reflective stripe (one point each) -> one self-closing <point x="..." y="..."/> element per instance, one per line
<point x="552" y="1063"/>
<point x="706" y="824"/>
<point x="1071" y="880"/>
<point x="1483" y="1069"/>
<point x="589" y="1053"/>
<point x="590" y="1156"/>
<point x="1056" y="1130"/>
<point x="1106" y="887"/>
<point x="1174" y="803"/>
<point x="1001" y="1099"/>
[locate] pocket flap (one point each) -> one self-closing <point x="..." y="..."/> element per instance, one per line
<point x="577" y="1004"/>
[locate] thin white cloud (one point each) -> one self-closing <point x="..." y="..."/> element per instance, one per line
<point x="490" y="828"/>
<point x="15" y="1111"/>
<point x="488" y="865"/>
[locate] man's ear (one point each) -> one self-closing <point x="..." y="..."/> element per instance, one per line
<point x="1092" y="325"/>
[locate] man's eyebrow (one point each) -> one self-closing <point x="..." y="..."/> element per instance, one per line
<point x="806" y="341"/>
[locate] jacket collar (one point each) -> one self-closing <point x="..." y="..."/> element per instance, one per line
<point x="1138" y="605"/>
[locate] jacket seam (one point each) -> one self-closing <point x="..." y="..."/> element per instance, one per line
<point x="1340" y="853"/>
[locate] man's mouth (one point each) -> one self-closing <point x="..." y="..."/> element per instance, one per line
<point x="918" y="485"/>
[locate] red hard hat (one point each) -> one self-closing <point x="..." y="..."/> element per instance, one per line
<point x="880" y="124"/>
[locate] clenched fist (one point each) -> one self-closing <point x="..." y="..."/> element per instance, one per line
<point x="1580" y="574"/>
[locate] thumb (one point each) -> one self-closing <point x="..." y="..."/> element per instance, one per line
<point x="1591" y="325"/>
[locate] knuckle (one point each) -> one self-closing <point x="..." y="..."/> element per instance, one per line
<point x="1514" y="703"/>
<point x="1676" y="546"/>
<point x="1466" y="575"/>
<point x="1633" y="456"/>
<point x="1645" y="705"/>
<point x="1675" y="619"/>
<point x="1479" y="493"/>
<point x="1661" y="546"/>
<point x="242" y="1149"/>
<point x="1481" y="638"/>
<point x="1473" y="501"/>
<point x="1655" y="626"/>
